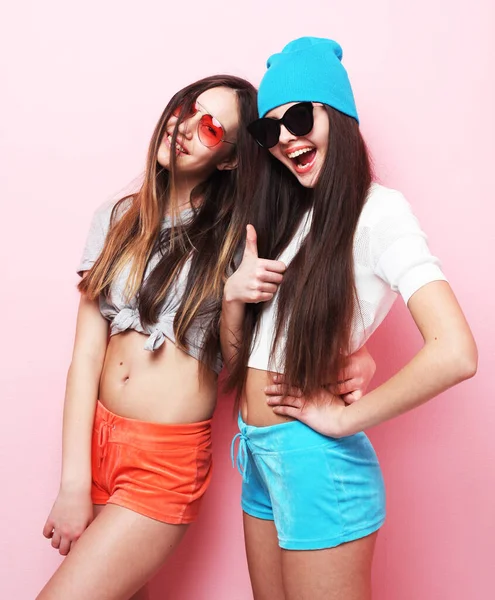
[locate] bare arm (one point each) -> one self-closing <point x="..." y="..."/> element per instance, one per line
<point x="81" y="394"/>
<point x="72" y="510"/>
<point x="448" y="356"/>
<point x="256" y="280"/>
<point x="231" y="329"/>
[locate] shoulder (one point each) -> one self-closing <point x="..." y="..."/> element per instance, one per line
<point x="110" y="210"/>
<point x="392" y="243"/>
<point x="383" y="203"/>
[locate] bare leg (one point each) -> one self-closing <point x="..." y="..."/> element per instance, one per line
<point x="331" y="574"/>
<point x="114" y="558"/>
<point x="264" y="558"/>
<point x="143" y="593"/>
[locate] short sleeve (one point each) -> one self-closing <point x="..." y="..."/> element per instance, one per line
<point x="399" y="249"/>
<point x="97" y="234"/>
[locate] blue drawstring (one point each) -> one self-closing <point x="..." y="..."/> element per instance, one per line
<point x="242" y="461"/>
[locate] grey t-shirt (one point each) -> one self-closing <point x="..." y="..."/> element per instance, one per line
<point x="122" y="313"/>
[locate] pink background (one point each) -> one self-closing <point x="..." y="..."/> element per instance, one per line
<point x="82" y="87"/>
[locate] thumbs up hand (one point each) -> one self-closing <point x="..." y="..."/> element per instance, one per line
<point x="256" y="279"/>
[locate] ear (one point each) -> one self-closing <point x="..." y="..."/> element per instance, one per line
<point x="229" y="164"/>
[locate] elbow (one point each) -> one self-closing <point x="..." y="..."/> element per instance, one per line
<point x="464" y="362"/>
<point x="470" y="365"/>
<point x="456" y="360"/>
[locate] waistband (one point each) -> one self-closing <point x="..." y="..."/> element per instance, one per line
<point x="291" y="435"/>
<point x="125" y="430"/>
<point x="283" y="437"/>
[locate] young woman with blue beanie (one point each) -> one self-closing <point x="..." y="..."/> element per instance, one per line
<point x="327" y="254"/>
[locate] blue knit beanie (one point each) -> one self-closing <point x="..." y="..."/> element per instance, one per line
<point x="308" y="69"/>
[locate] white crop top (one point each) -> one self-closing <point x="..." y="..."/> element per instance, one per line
<point x="391" y="256"/>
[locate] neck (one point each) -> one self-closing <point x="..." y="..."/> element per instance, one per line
<point x="180" y="193"/>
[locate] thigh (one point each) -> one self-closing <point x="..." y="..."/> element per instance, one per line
<point x="330" y="574"/>
<point x="143" y="593"/>
<point x="264" y="558"/>
<point x="114" y="558"/>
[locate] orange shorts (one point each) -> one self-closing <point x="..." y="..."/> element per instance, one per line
<point x="156" y="469"/>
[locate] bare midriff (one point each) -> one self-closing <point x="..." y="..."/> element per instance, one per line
<point x="164" y="386"/>
<point x="254" y="408"/>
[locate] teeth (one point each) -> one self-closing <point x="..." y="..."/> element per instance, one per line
<point x="177" y="145"/>
<point x="299" y="152"/>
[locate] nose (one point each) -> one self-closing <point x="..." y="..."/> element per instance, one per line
<point x="285" y="135"/>
<point x="188" y="125"/>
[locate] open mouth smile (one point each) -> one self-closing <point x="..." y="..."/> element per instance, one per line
<point x="179" y="149"/>
<point x="303" y="158"/>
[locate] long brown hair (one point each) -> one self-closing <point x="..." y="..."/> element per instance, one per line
<point x="316" y="299"/>
<point x="210" y="238"/>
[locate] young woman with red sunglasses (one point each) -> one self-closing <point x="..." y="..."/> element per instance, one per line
<point x="142" y="384"/>
<point x="344" y="247"/>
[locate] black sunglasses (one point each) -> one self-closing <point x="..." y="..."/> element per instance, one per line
<point x="298" y="119"/>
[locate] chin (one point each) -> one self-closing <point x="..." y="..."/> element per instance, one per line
<point x="306" y="184"/>
<point x="163" y="156"/>
<point x="308" y="181"/>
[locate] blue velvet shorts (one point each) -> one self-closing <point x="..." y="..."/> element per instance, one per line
<point x="319" y="491"/>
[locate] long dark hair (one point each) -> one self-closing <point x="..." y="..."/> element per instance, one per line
<point x="210" y="238"/>
<point x="316" y="300"/>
